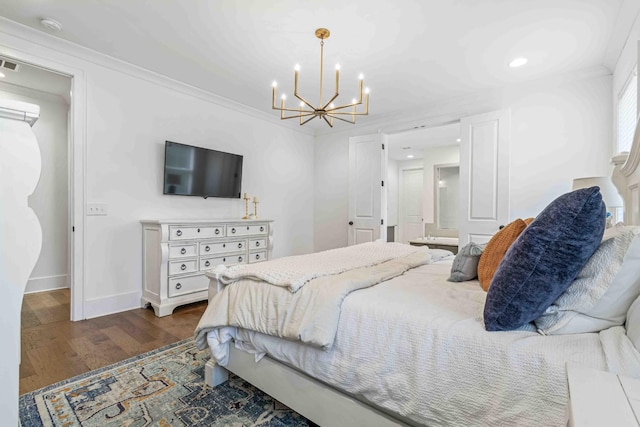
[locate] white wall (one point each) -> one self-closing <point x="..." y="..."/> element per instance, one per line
<point x="560" y="130"/>
<point x="128" y="121"/>
<point x="50" y="199"/>
<point x="129" y="115"/>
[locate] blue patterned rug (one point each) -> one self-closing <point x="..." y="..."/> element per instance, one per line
<point x="161" y="388"/>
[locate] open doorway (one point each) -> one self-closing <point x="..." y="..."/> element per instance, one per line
<point x="411" y="208"/>
<point x="51" y="199"/>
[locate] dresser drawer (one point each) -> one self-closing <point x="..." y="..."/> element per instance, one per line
<point x="185" y="266"/>
<point x="257" y="257"/>
<point x="183" y="251"/>
<point x="257" y="243"/>
<point x="217" y="247"/>
<point x="187" y="285"/>
<point x="245" y="230"/>
<point x="228" y="260"/>
<point x="194" y="232"/>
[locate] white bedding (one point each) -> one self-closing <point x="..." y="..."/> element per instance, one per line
<point x="415" y="345"/>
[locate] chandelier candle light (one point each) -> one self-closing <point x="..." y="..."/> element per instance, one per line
<point x="255" y="207"/>
<point x="246" y="206"/>
<point x="327" y="111"/>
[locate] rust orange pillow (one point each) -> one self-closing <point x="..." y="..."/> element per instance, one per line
<point x="497" y="248"/>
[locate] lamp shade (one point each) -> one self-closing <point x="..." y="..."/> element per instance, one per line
<point x="609" y="192"/>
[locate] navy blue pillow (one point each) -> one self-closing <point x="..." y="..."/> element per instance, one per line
<point x="544" y="259"/>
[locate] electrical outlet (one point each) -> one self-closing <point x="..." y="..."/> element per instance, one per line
<point x="96" y="208"/>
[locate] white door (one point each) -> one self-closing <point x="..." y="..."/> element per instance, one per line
<point x="484" y="175"/>
<point x="367" y="193"/>
<point x="411" y="225"/>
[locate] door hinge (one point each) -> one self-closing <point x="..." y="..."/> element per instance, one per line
<point x="383" y="183"/>
<point x="382" y="222"/>
<point x="383" y="146"/>
<point x="73" y="229"/>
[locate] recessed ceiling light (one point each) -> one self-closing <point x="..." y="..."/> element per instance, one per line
<point x="518" y="62"/>
<point x="51" y="24"/>
<point x="410" y="156"/>
<point x="1" y="75"/>
<point x="458" y="140"/>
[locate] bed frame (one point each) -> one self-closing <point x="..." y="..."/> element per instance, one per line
<point x="327" y="406"/>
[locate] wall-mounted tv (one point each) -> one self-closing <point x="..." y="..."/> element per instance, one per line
<point x="196" y="171"/>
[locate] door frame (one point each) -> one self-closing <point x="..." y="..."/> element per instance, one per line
<point x="76" y="173"/>
<point x="401" y="171"/>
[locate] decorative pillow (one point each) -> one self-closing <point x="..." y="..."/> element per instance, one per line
<point x="465" y="264"/>
<point x="601" y="294"/>
<point x="497" y="248"/>
<point x="544" y="260"/>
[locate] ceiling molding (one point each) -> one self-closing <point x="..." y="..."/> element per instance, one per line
<point x="82" y="53"/>
<point x="32" y="93"/>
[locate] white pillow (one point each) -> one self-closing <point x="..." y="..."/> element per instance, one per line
<point x="603" y="291"/>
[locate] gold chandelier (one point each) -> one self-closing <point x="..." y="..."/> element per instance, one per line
<point x="327" y="111"/>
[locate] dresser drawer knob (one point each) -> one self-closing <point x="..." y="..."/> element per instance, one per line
<point x="261" y="228"/>
<point x="217" y="231"/>
<point x="224" y="245"/>
<point x="178" y="285"/>
<point x="207" y="264"/>
<point x="247" y="228"/>
<point x="183" y="251"/>
<point x="207" y="248"/>
<point x="239" y="245"/>
<point x="239" y="259"/>
<point x="224" y="260"/>
<point x="183" y="267"/>
<point x="257" y="256"/>
<point x="257" y="244"/>
<point x="198" y="230"/>
<point x="179" y="233"/>
<point x="233" y="231"/>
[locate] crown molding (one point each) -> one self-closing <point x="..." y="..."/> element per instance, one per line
<point x="61" y="46"/>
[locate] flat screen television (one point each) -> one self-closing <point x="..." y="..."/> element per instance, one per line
<point x="196" y="171"/>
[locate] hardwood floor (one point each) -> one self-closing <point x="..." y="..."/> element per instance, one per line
<point x="54" y="348"/>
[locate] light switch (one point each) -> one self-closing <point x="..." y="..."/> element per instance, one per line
<point x="96" y="208"/>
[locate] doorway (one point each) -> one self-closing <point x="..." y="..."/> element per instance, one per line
<point x="58" y="198"/>
<point x="412" y="156"/>
<point x="411" y="194"/>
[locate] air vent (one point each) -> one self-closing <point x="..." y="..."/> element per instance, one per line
<point x="9" y="65"/>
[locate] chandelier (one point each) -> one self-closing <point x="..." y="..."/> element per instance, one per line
<point x="327" y="111"/>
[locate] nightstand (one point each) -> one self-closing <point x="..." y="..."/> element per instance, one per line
<point x="599" y="398"/>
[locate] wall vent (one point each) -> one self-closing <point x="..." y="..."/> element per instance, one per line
<point x="9" y="65"/>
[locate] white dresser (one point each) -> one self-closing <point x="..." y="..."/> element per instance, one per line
<point x="176" y="254"/>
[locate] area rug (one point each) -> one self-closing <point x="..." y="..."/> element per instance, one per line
<point x="164" y="387"/>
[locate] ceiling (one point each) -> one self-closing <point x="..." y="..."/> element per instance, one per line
<point x="415" y="141"/>
<point x="411" y="52"/>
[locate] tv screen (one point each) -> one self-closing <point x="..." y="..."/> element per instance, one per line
<point x="196" y="171"/>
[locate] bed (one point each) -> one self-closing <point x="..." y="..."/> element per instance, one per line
<point x="406" y="346"/>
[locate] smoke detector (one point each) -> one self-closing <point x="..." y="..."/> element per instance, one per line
<point x="51" y="24"/>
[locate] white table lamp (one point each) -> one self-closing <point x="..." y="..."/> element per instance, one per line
<point x="610" y="195"/>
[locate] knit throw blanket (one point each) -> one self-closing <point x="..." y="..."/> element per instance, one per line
<point x="294" y="271"/>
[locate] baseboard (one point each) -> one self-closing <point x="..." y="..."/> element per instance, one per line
<point x="111" y="304"/>
<point x="47" y="283"/>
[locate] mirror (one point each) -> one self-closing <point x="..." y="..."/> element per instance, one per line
<point x="447" y="193"/>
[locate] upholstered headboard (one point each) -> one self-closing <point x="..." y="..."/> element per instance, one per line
<point x="626" y="177"/>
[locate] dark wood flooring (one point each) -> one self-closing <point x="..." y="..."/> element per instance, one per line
<point x="54" y="348"/>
